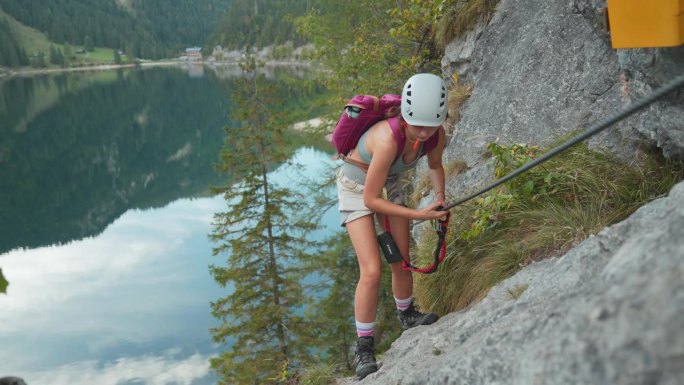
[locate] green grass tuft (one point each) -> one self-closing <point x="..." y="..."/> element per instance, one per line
<point x="323" y="374"/>
<point x="460" y="16"/>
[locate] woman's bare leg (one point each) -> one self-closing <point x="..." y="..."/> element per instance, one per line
<point x="362" y="234"/>
<point x="402" y="280"/>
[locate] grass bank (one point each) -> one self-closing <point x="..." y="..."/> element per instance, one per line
<point x="539" y="214"/>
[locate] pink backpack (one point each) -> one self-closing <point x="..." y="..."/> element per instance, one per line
<point x="361" y="113"/>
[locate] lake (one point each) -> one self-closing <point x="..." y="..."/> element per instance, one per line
<point x="104" y="221"/>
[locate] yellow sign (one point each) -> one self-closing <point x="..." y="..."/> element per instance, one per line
<point x="641" y="23"/>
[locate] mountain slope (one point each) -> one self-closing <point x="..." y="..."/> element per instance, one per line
<point x="30" y="38"/>
<point x="144" y="28"/>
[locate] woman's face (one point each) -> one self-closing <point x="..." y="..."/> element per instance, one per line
<point x="422" y="133"/>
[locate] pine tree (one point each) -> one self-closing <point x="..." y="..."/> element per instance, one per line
<point x="56" y="56"/>
<point x="130" y="54"/>
<point x="60" y="58"/>
<point x="68" y="54"/>
<point x="88" y="44"/>
<point x="262" y="323"/>
<point x="23" y="57"/>
<point x="39" y="60"/>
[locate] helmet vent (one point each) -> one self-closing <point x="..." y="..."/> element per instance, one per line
<point x="408" y="93"/>
<point x="408" y="101"/>
<point x="441" y="104"/>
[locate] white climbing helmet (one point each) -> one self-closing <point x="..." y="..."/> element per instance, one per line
<point x="424" y="100"/>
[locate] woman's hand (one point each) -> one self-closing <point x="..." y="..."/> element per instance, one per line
<point x="431" y="211"/>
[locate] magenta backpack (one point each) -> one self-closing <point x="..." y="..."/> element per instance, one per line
<point x="361" y="113"/>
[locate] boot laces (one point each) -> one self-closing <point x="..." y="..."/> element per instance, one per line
<point x="365" y="354"/>
<point x="412" y="312"/>
<point x="366" y="357"/>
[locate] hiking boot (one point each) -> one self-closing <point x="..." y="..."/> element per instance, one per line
<point x="412" y="317"/>
<point x="364" y="357"/>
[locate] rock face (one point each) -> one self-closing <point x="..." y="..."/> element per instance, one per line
<point x="611" y="310"/>
<point x="541" y="69"/>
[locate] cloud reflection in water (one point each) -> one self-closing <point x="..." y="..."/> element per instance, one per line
<point x="95" y="309"/>
<point x="128" y="306"/>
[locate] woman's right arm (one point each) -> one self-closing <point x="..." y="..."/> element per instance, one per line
<point x="384" y="149"/>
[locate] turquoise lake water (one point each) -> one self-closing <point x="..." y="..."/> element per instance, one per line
<point x="104" y="225"/>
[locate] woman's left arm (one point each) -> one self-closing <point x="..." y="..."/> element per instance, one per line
<point x="436" y="170"/>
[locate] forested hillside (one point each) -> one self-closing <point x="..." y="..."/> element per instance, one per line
<point x="12" y="54"/>
<point x="259" y="23"/>
<point x="142" y="28"/>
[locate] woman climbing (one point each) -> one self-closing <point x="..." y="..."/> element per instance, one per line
<point x="372" y="166"/>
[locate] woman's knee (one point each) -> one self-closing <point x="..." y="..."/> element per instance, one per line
<point x="370" y="276"/>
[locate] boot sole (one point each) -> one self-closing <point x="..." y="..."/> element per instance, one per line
<point x="365" y="370"/>
<point x="427" y="320"/>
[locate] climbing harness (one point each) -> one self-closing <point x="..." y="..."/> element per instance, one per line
<point x="441" y="226"/>
<point x="616" y="117"/>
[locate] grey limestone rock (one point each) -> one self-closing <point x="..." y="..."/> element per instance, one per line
<point x="542" y="69"/>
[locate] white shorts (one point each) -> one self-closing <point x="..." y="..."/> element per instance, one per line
<point x="350" y="196"/>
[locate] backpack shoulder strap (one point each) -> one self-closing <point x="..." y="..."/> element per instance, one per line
<point x="430" y="144"/>
<point x="399" y="136"/>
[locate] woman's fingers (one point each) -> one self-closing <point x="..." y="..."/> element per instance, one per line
<point x="432" y="212"/>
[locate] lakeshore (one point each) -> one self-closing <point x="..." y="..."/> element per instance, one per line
<point x="27" y="71"/>
<point x="7" y="73"/>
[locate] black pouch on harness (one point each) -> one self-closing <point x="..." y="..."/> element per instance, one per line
<point x="389" y="248"/>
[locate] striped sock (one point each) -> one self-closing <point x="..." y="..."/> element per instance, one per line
<point x="365" y="329"/>
<point x="403" y="304"/>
